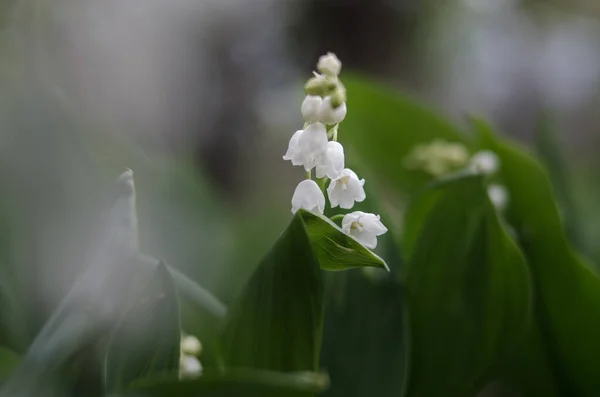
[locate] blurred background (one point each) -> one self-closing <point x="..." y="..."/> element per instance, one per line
<point x="200" y="98"/>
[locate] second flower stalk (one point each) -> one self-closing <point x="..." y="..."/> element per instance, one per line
<point x="325" y="105"/>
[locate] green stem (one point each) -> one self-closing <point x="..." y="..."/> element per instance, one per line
<point x="308" y="175"/>
<point x="335" y="134"/>
<point x="337" y="217"/>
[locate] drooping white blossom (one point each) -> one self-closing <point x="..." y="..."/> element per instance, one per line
<point x="308" y="196"/>
<point x="312" y="144"/>
<point x="294" y="154"/>
<point x="329" y="115"/>
<point x="190" y="345"/>
<point x="312" y="108"/>
<point x="485" y="162"/>
<point x="364" y="227"/>
<point x="346" y="189"/>
<point x="332" y="161"/>
<point x="498" y="196"/>
<point x="329" y="64"/>
<point x="189" y="367"/>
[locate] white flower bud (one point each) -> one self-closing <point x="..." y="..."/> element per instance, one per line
<point x="308" y="196"/>
<point x="498" y="196"/>
<point x="311" y="108"/>
<point x="189" y="367"/>
<point x="364" y="227"/>
<point x="312" y="143"/>
<point x="332" y="161"/>
<point x="190" y="345"/>
<point x="329" y="115"/>
<point x="485" y="162"/>
<point x="329" y="64"/>
<point x="346" y="189"/>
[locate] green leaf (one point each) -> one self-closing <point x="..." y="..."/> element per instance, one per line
<point x="568" y="289"/>
<point x="146" y="341"/>
<point x="383" y="127"/>
<point x="334" y="249"/>
<point x="237" y="382"/>
<point x="468" y="290"/>
<point x="276" y="323"/>
<point x="8" y="362"/>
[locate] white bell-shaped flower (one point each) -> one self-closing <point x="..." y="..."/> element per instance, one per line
<point x="308" y="196"/>
<point x="364" y="227"/>
<point x="312" y="143"/>
<point x="332" y="161"/>
<point x="329" y="64"/>
<point x="329" y="115"/>
<point x="311" y="108"/>
<point x="346" y="189"/>
<point x="498" y="196"/>
<point x="294" y="154"/>
<point x="190" y="345"/>
<point x="189" y="367"/>
<point x="485" y="162"/>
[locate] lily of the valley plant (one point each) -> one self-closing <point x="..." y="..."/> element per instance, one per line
<point x="316" y="147"/>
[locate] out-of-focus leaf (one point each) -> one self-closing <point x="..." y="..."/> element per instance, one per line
<point x="237" y="382"/>
<point x="276" y="323"/>
<point x="468" y="290"/>
<point x="146" y="341"/>
<point x="382" y="127"/>
<point x="8" y="362"/>
<point x="568" y="289"/>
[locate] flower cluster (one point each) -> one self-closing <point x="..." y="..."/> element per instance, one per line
<point x="439" y="158"/>
<point x="189" y="365"/>
<point x="316" y="147"/>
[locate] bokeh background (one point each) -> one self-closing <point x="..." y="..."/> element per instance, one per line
<point x="200" y="98"/>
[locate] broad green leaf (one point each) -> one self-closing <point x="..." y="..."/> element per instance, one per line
<point x="568" y="289"/>
<point x="276" y="323"/>
<point x="334" y="249"/>
<point x="146" y="341"/>
<point x="8" y="362"/>
<point x="467" y="290"/>
<point x="237" y="382"/>
<point x="382" y="127"/>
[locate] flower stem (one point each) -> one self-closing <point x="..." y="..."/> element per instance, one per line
<point x="335" y="130"/>
<point x="337" y="217"/>
<point x="308" y="175"/>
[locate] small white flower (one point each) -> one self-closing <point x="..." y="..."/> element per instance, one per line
<point x="332" y="162"/>
<point x="498" y="196"/>
<point x="308" y="196"/>
<point x="311" y="108"/>
<point x="294" y="153"/>
<point x="346" y="189"/>
<point x="190" y="345"/>
<point x="485" y="162"/>
<point x="329" y="64"/>
<point x="364" y="227"/>
<point x="329" y="115"/>
<point x="189" y="367"/>
<point x="312" y="143"/>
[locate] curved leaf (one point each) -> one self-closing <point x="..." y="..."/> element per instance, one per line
<point x="468" y="290"/>
<point x="146" y="341"/>
<point x="8" y="362"/>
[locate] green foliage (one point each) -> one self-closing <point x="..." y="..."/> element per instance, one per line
<point x="468" y="298"/>
<point x="146" y="341"/>
<point x="8" y="362"/>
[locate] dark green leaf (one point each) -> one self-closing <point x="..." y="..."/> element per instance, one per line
<point x="568" y="290"/>
<point x="276" y="323"/>
<point x="8" y="362"/>
<point x="146" y="341"/>
<point x="237" y="382"/>
<point x="468" y="290"/>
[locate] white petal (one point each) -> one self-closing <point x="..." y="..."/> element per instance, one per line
<point x="293" y="153"/>
<point x="329" y="64"/>
<point x="369" y="240"/>
<point x="308" y="196"/>
<point x="329" y="115"/>
<point x="311" y="108"/>
<point x="312" y="144"/>
<point x="332" y="162"/>
<point x="485" y="162"/>
<point x="346" y="189"/>
<point x="372" y="224"/>
<point x="189" y="366"/>
<point x="191" y="345"/>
